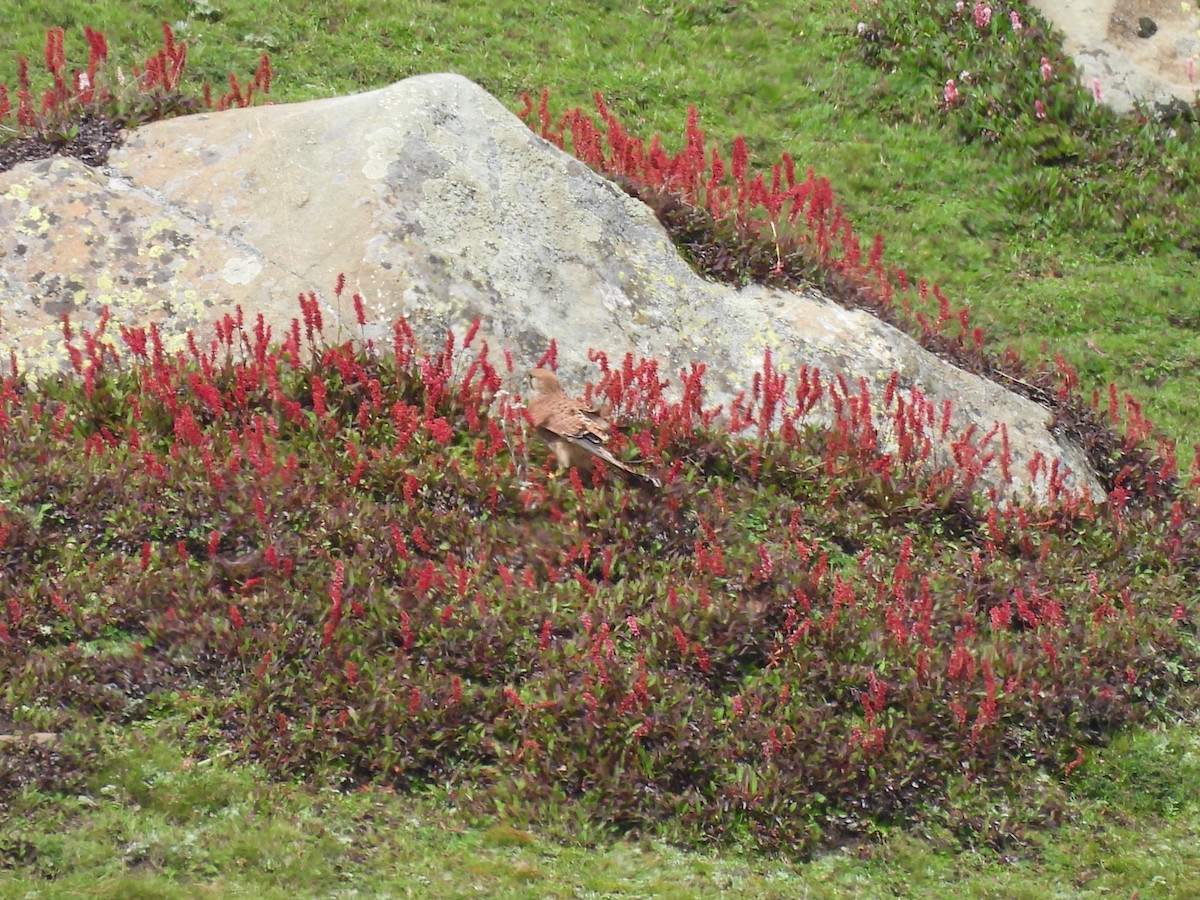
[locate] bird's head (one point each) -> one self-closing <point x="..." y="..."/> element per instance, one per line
<point x="543" y="381"/>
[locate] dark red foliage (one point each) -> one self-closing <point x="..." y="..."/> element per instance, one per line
<point x="792" y="629"/>
<point x="360" y="564"/>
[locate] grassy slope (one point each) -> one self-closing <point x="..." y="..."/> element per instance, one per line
<point x="776" y="77"/>
<point x="163" y="826"/>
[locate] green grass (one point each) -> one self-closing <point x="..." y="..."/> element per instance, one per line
<point x="152" y="822"/>
<point x="158" y="824"/>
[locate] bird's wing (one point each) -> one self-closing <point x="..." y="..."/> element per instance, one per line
<point x="592" y="425"/>
<point x="566" y="417"/>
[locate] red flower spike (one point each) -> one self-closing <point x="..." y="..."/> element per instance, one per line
<point x="263" y="74"/>
<point x="588" y="587"/>
<point x="680" y="640"/>
<point x="418" y="537"/>
<point x="549" y="359"/>
<point x="1075" y="763"/>
<point x="60" y="604"/>
<point x="471" y="332"/>
<point x="544" y="114"/>
<point x="335" y="608"/>
<point x="576" y="482"/>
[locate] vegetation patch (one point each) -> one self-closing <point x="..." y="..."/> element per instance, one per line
<point x="737" y="225"/>
<point x="358" y="562"/>
<point x="348" y="568"/>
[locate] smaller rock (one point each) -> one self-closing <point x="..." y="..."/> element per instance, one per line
<point x="1146" y="27"/>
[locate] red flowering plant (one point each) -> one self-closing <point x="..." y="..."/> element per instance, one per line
<point x="769" y="226"/>
<point x="347" y="563"/>
<point x="362" y="568"/>
<point x="82" y="110"/>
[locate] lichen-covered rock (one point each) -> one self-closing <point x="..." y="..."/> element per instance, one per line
<point x="76" y="239"/>
<point x="439" y="205"/>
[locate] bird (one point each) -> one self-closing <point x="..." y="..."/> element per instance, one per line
<point x="576" y="433"/>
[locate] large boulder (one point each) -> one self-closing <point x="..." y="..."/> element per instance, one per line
<point x="438" y="204"/>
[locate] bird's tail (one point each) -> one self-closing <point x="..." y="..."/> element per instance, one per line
<point x="640" y="479"/>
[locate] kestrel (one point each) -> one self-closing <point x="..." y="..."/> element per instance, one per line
<point x="575" y="431"/>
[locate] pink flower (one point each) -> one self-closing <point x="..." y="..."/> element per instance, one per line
<point x="983" y="14"/>
<point x="950" y="92"/>
<point x="1016" y="22"/>
<point x="960" y="6"/>
<point x="1039" y="109"/>
<point x="1096" y="89"/>
<point x="1046" y="70"/>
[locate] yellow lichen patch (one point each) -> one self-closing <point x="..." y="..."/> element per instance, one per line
<point x="19" y="192"/>
<point x="34" y="222"/>
<point x="155" y="228"/>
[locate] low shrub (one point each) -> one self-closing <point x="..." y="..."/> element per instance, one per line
<point x="359" y="565"/>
